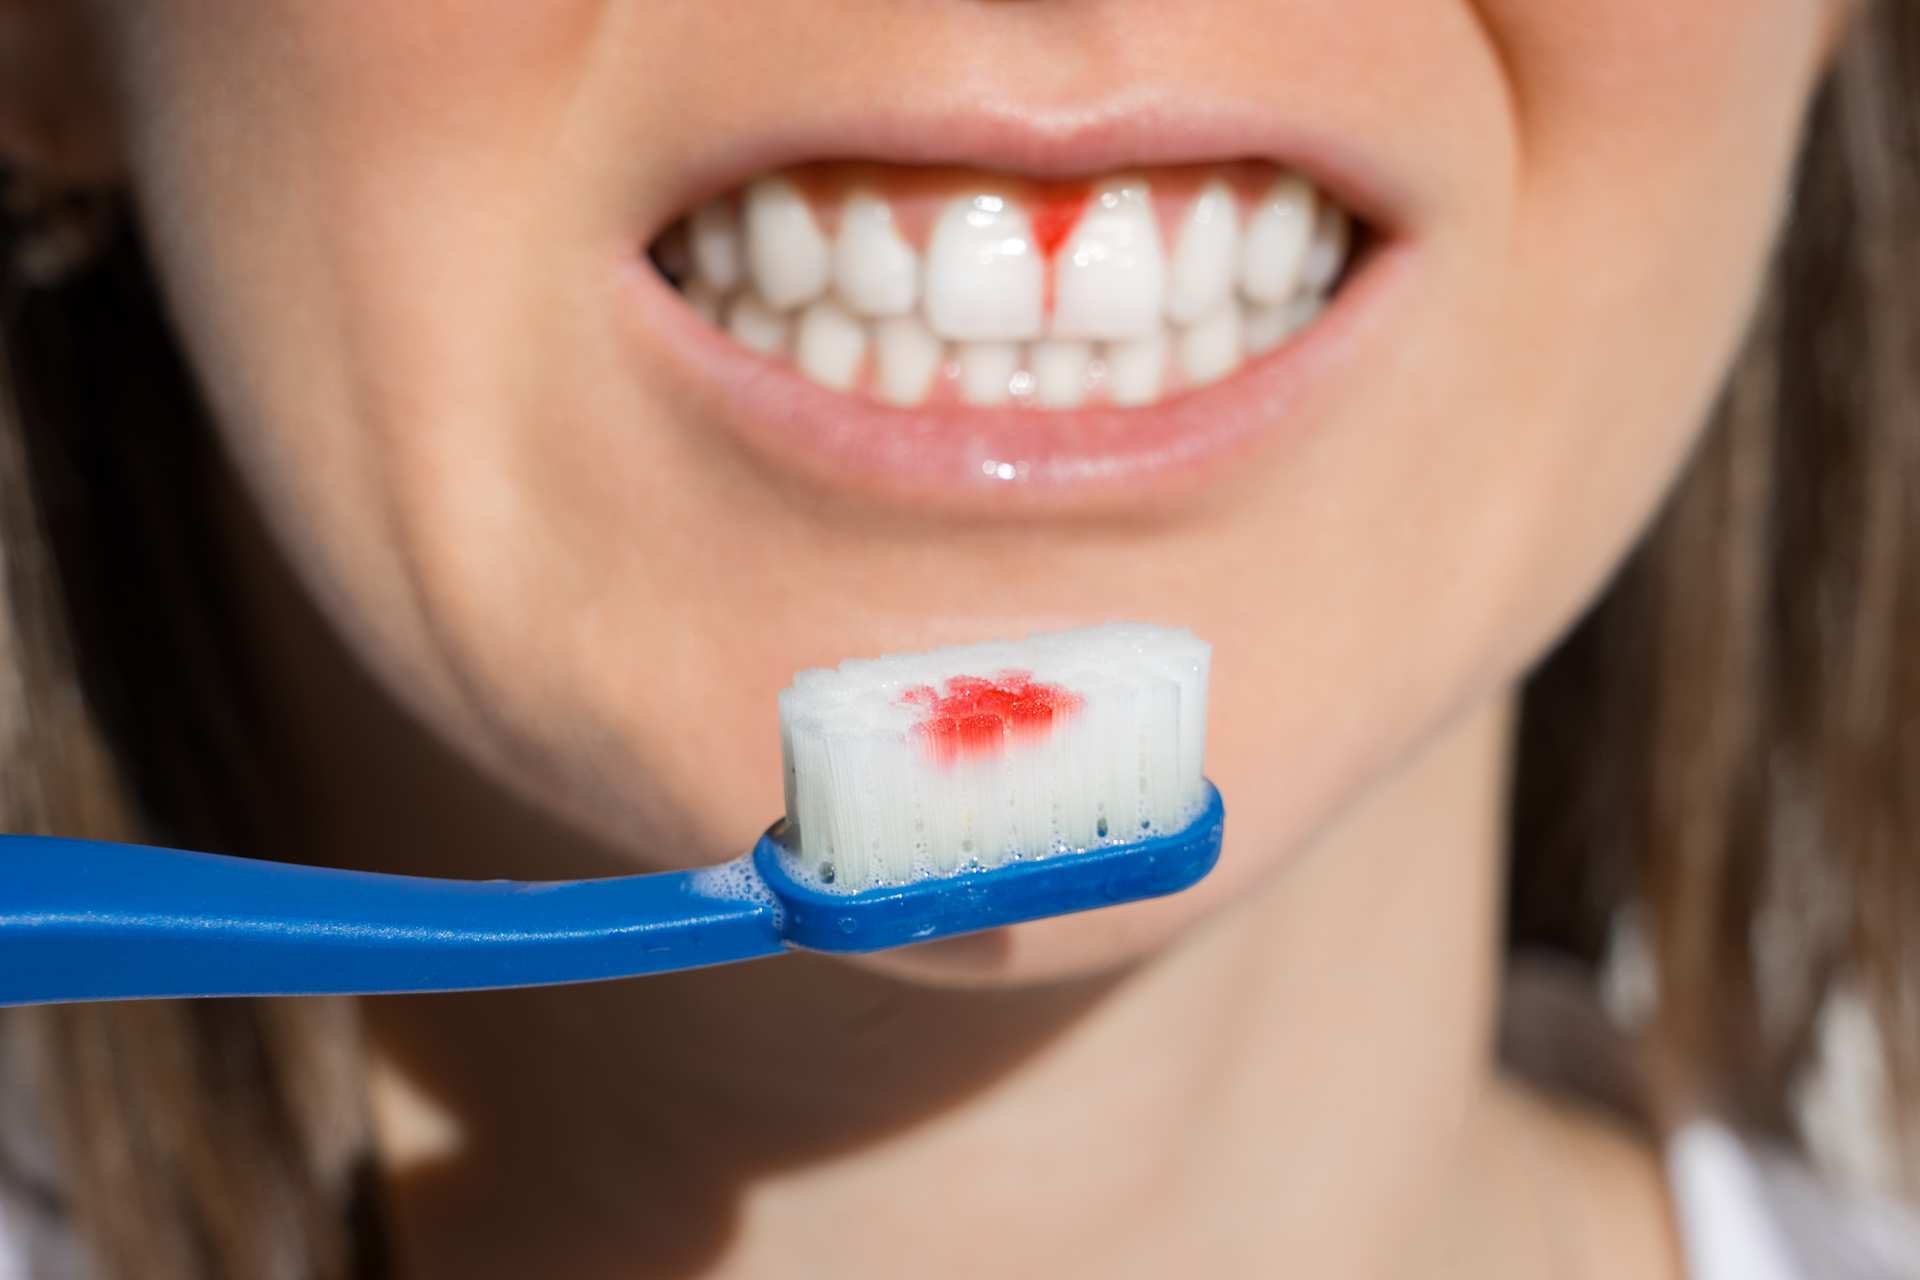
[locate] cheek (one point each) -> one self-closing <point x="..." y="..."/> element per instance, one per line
<point x="361" y="218"/>
<point x="1653" y="153"/>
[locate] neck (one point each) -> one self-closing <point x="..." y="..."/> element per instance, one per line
<point x="1296" y="1086"/>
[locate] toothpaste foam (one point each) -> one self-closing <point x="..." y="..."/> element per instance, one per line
<point x="916" y="765"/>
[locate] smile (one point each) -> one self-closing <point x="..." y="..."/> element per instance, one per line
<point x="1111" y="318"/>
<point x="929" y="286"/>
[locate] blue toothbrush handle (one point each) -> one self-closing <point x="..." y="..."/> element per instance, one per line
<point x="91" y="920"/>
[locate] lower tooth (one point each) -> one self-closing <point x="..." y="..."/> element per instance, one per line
<point x="829" y="344"/>
<point x="755" y="325"/>
<point x="906" y="356"/>
<point x="1060" y="373"/>
<point x="986" y="371"/>
<point x="1210" y="350"/>
<point x="1268" y="327"/>
<point x="1135" y="369"/>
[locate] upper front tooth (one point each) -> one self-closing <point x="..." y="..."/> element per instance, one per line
<point x="1327" y="250"/>
<point x="715" y="237"/>
<point x="1110" y="276"/>
<point x="787" y="256"/>
<point x="1204" y="255"/>
<point x="984" y="274"/>
<point x="875" y="271"/>
<point x="1275" y="247"/>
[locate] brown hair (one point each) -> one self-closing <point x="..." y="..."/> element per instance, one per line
<point x="1729" y="740"/>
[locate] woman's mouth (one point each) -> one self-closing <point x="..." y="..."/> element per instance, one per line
<point x="948" y="334"/>
<point x="916" y="286"/>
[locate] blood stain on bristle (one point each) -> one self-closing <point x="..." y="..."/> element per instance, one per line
<point x="975" y="716"/>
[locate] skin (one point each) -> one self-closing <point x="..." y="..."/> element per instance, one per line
<point x="516" y="597"/>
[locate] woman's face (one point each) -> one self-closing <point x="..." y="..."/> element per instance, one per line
<point x="588" y="535"/>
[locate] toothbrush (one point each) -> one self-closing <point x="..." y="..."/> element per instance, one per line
<point x="927" y="795"/>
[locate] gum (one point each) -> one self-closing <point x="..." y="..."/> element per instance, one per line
<point x="917" y="194"/>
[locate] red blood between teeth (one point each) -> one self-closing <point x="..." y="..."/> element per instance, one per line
<point x="1054" y="217"/>
<point x="976" y="717"/>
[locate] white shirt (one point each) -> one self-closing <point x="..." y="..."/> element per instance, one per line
<point x="1749" y="1213"/>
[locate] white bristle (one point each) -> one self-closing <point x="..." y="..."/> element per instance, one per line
<point x="874" y="801"/>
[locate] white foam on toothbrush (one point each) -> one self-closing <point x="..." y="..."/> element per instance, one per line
<point x="868" y="800"/>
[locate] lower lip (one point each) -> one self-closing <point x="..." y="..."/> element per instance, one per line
<point x="956" y="458"/>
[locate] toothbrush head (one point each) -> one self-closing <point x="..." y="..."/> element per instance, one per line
<point x="965" y="788"/>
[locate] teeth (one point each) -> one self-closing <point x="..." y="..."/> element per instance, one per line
<point x="1136" y="369"/>
<point x="1121" y="321"/>
<point x="787" y="256"/>
<point x="1276" y="243"/>
<point x="755" y="325"/>
<point x="1210" y="350"/>
<point x="906" y="356"/>
<point x="875" y="271"/>
<point x="1110" y="276"/>
<point x="1204" y="255"/>
<point x="984" y="278"/>
<point x="1268" y="327"/>
<point x="987" y="370"/>
<point x="1060" y="372"/>
<point x="715" y="236"/>
<point x="829" y="344"/>
<point x="1327" y="250"/>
